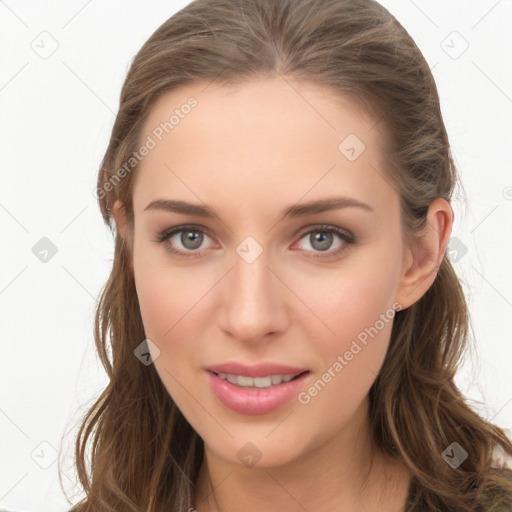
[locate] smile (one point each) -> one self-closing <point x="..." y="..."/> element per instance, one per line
<point x="256" y="395"/>
<point x="257" y="382"/>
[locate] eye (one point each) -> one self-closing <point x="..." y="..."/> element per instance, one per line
<point x="188" y="240"/>
<point x="189" y="237"/>
<point x="321" y="240"/>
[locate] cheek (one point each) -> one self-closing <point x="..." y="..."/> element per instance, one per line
<point x="356" y="295"/>
<point x="170" y="306"/>
<point x="356" y="308"/>
<point x="350" y="358"/>
<point x="174" y="305"/>
<point x="165" y="293"/>
<point x="170" y="310"/>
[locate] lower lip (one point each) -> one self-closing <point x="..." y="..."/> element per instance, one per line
<point x="251" y="400"/>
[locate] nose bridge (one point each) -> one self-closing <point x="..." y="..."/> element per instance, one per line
<point x="252" y="296"/>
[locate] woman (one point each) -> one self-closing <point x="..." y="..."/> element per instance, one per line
<point x="282" y="324"/>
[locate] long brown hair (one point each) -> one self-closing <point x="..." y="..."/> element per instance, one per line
<point x="135" y="451"/>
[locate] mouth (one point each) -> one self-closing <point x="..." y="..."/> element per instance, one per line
<point x="263" y="382"/>
<point x="262" y="394"/>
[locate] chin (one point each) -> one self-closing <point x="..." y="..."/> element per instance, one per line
<point x="257" y="449"/>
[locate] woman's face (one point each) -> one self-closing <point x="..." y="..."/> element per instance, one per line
<point x="310" y="291"/>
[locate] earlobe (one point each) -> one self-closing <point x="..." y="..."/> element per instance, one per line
<point x="423" y="259"/>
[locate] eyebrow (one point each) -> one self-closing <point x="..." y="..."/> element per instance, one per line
<point x="296" y="210"/>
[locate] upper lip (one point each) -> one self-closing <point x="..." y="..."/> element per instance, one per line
<point x="257" y="370"/>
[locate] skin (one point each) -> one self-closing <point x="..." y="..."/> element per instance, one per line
<point x="248" y="152"/>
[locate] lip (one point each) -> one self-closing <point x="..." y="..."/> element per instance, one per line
<point x="252" y="400"/>
<point x="257" y="370"/>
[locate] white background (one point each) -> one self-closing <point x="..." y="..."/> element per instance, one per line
<point x="55" y="120"/>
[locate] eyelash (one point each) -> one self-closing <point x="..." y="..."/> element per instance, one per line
<point x="345" y="236"/>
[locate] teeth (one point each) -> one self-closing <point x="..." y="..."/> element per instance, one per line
<point x="245" y="381"/>
<point x="258" y="382"/>
<point x="230" y="378"/>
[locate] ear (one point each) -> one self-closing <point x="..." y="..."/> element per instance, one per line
<point x="424" y="255"/>
<point x="122" y="228"/>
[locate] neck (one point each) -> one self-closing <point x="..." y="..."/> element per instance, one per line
<point x="346" y="473"/>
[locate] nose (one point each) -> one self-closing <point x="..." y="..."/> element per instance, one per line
<point x="254" y="300"/>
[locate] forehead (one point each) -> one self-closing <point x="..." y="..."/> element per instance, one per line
<point x="298" y="110"/>
<point x="255" y="141"/>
